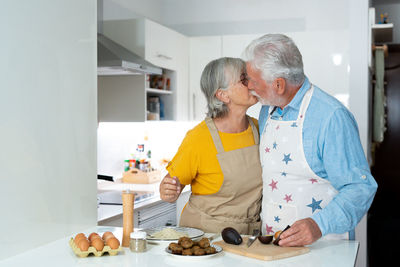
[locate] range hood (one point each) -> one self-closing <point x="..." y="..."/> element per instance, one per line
<point x="114" y="59"/>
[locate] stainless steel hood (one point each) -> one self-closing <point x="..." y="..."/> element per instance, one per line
<point x="114" y="59"/>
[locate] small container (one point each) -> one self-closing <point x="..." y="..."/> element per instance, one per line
<point x="138" y="241"/>
<point x="131" y="164"/>
<point x="126" y="165"/>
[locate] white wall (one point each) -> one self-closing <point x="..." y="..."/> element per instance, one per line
<point x="47" y="121"/>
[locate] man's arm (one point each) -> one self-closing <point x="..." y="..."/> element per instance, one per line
<point x="348" y="171"/>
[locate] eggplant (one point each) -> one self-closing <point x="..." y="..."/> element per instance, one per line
<point x="231" y="236"/>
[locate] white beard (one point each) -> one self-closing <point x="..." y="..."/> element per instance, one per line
<point x="260" y="99"/>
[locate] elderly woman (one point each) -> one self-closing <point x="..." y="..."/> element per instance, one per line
<point x="219" y="157"/>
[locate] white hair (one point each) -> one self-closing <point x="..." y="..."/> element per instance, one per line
<point x="276" y="56"/>
<point x="219" y="74"/>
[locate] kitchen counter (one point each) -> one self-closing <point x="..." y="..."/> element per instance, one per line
<point x="58" y="253"/>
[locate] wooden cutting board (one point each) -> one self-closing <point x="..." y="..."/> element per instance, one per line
<point x="261" y="251"/>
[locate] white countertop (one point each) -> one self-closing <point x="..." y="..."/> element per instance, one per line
<point x="58" y="253"/>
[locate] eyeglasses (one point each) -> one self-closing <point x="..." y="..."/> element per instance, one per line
<point x="244" y="80"/>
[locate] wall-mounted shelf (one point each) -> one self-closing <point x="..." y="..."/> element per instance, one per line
<point x="382" y="33"/>
<point x="158" y="91"/>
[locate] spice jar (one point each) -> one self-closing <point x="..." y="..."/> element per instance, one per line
<point x="138" y="241"/>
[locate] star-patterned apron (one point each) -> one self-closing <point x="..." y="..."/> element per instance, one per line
<point x="237" y="204"/>
<point x="291" y="190"/>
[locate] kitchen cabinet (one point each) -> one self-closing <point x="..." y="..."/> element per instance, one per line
<point x="124" y="98"/>
<point x="156" y="43"/>
<point x="160" y="46"/>
<point x="121" y="98"/>
<point x="202" y="50"/>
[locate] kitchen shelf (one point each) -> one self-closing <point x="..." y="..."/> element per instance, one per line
<point x="158" y="91"/>
<point x="382" y="33"/>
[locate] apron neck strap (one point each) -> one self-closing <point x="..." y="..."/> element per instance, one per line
<point x="305" y="102"/>
<point x="217" y="139"/>
<point x="256" y="136"/>
<point x="303" y="107"/>
<point x="214" y="134"/>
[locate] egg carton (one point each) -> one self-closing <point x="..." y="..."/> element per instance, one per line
<point x="92" y="250"/>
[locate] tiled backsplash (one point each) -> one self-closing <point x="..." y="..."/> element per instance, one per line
<point x="117" y="141"/>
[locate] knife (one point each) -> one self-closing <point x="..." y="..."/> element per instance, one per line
<point x="253" y="238"/>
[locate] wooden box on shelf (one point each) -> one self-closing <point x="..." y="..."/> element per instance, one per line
<point x="136" y="176"/>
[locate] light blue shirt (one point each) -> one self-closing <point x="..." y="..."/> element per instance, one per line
<point x="333" y="150"/>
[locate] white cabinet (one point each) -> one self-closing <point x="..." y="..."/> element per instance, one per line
<point x="160" y="46"/>
<point x="202" y="51"/>
<point x="154" y="42"/>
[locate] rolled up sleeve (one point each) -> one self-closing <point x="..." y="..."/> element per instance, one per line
<point x="348" y="171"/>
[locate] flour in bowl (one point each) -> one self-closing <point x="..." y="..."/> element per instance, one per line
<point x="168" y="233"/>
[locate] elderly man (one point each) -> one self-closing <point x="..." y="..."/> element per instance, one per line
<point x="315" y="175"/>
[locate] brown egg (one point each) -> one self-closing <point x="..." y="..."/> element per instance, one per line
<point x="78" y="238"/>
<point x="112" y="242"/>
<point x="106" y="235"/>
<point x="83" y="244"/>
<point x="97" y="243"/>
<point x="79" y="235"/>
<point x="93" y="235"/>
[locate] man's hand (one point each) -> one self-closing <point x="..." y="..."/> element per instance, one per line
<point x="302" y="232"/>
<point x="170" y="189"/>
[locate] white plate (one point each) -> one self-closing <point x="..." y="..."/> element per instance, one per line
<point x="191" y="232"/>
<point x="217" y="248"/>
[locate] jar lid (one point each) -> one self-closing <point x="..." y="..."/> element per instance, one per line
<point x="138" y="235"/>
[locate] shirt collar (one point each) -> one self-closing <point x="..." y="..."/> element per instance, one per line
<point x="297" y="99"/>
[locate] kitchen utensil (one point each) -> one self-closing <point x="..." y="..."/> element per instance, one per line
<point x="253" y="238"/>
<point x="128" y="198"/>
<point x="276" y="241"/>
<point x="262" y="252"/>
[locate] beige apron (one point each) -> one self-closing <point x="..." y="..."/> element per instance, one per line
<point x="237" y="203"/>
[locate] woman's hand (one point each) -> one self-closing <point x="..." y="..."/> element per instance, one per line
<point x="170" y="188"/>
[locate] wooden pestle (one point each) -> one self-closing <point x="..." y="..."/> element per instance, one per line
<point x="128" y="199"/>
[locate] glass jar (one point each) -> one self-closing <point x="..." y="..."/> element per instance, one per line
<point x="138" y="241"/>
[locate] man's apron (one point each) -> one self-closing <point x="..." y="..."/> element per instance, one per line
<point x="237" y="203"/>
<point x="291" y="190"/>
